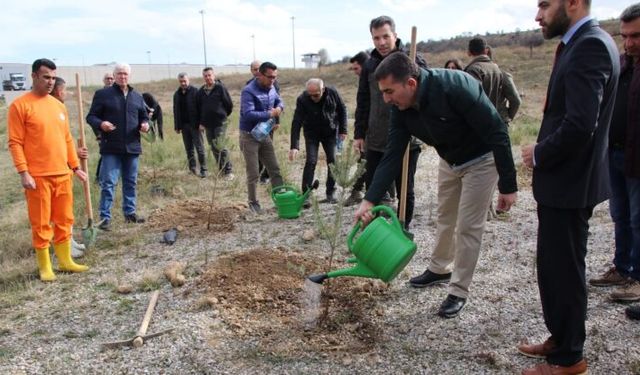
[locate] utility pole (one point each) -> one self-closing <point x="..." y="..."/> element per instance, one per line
<point x="149" y="64"/>
<point x="204" y="41"/>
<point x="293" y="40"/>
<point x="253" y="40"/>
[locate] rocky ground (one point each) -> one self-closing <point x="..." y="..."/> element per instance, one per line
<point x="243" y="308"/>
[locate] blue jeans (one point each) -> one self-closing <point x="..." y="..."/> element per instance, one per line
<point x="625" y="212"/>
<point x="113" y="167"/>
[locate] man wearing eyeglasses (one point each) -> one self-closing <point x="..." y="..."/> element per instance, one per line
<point x="259" y="102"/>
<point x="320" y="111"/>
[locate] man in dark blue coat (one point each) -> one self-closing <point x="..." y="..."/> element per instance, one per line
<point x="570" y="175"/>
<point x="119" y="114"/>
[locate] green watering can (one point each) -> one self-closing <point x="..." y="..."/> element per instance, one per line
<point x="289" y="201"/>
<point x="381" y="251"/>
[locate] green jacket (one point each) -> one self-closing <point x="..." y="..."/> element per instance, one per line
<point x="455" y="116"/>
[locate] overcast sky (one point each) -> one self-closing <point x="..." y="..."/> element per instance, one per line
<point x="76" y="32"/>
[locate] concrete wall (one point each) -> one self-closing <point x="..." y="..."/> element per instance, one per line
<point x="92" y="75"/>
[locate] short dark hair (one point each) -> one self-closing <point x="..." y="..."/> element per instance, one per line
<point x="266" y="66"/>
<point x="631" y="13"/>
<point x="359" y="58"/>
<point x="206" y="69"/>
<point x="59" y="82"/>
<point x="42" y="62"/>
<point x="477" y="46"/>
<point x="399" y="66"/>
<point x="378" y="22"/>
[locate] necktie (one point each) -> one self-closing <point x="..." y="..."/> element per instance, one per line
<point x="555" y="60"/>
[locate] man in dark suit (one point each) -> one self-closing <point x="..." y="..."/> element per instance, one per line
<point x="570" y="175"/>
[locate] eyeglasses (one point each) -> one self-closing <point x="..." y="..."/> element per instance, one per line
<point x="270" y="77"/>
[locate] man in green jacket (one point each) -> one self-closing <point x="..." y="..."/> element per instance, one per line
<point x="448" y="110"/>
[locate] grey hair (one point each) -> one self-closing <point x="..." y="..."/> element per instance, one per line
<point x="631" y="13"/>
<point x="122" y="66"/>
<point x="182" y="75"/>
<point x="315" y="82"/>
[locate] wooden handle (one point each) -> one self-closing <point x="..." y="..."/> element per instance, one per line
<point x="84" y="163"/>
<point x="147" y="315"/>
<point x="402" y="201"/>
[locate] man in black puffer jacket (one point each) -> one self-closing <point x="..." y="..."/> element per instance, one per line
<point x="320" y="111"/>
<point x="373" y="114"/>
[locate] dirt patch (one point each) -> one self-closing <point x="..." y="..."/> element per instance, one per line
<point x="192" y="216"/>
<point x="260" y="294"/>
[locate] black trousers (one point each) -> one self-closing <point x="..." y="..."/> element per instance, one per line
<point x="221" y="154"/>
<point x="359" y="184"/>
<point x="192" y="139"/>
<point x="312" y="146"/>
<point x="561" y="251"/>
<point x="373" y="159"/>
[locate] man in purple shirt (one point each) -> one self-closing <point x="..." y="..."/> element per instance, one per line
<point x="259" y="102"/>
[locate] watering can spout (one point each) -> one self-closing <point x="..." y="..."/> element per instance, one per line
<point x="319" y="278"/>
<point x="313" y="186"/>
<point x="360" y="270"/>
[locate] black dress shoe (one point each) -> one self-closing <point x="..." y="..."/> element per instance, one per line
<point x="451" y="306"/>
<point x="429" y="278"/>
<point x="133" y="218"/>
<point x="633" y="312"/>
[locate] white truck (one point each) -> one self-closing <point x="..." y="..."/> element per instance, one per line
<point x="15" y="82"/>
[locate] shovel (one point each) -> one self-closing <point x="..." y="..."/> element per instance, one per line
<point x="89" y="232"/>
<point x="402" y="209"/>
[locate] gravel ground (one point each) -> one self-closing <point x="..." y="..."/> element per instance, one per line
<point x="57" y="328"/>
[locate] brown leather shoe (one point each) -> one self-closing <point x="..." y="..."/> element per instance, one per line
<point x="579" y="368"/>
<point x="537" y="350"/>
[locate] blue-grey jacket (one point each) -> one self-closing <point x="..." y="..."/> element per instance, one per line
<point x="126" y="114"/>
<point x="256" y="102"/>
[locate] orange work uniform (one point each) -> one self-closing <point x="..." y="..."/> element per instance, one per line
<point x="40" y="143"/>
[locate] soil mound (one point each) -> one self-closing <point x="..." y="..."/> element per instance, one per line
<point x="193" y="215"/>
<point x="261" y="295"/>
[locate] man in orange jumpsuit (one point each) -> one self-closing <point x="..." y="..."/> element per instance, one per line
<point x="45" y="157"/>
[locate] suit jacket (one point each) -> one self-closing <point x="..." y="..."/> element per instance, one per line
<point x="571" y="168"/>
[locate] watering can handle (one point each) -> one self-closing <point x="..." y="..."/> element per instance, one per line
<point x="281" y="188"/>
<point x="356" y="228"/>
<point x="392" y="215"/>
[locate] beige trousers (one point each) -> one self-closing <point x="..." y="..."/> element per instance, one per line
<point x="464" y="195"/>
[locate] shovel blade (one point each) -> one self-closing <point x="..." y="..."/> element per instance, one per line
<point x="89" y="234"/>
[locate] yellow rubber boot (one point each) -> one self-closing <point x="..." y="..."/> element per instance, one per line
<point x="65" y="262"/>
<point x="44" y="264"/>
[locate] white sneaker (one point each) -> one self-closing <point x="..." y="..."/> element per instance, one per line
<point x="229" y="176"/>
<point x="79" y="246"/>
<point x="77" y="250"/>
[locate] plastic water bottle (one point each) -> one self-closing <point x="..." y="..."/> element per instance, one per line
<point x="261" y="131"/>
<point x="339" y="145"/>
